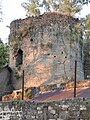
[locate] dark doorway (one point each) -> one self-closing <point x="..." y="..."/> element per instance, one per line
<point x="19" y="58"/>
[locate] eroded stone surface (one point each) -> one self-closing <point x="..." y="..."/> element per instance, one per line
<point x="49" y="49"/>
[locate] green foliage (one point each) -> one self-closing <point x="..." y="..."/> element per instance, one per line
<point x="14" y="38"/>
<point x="17" y="76"/>
<point x="19" y="105"/>
<point x="19" y="68"/>
<point x="87" y="102"/>
<point x="86" y="56"/>
<point x="3" y="55"/>
<point x="28" y="95"/>
<point x="31" y="6"/>
<point x="69" y="8"/>
<point x="87" y="27"/>
<point x="76" y="31"/>
<point x="57" y="34"/>
<point x="35" y="7"/>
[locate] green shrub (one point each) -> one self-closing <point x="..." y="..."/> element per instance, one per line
<point x="17" y="76"/>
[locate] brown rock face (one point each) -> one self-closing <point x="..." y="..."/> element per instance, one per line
<point x="45" y="47"/>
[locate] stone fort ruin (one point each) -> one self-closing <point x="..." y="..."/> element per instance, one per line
<point x="46" y="48"/>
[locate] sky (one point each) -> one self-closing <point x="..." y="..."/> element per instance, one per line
<point x="12" y="10"/>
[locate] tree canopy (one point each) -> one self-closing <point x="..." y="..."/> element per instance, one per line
<point x="37" y="7"/>
<point x="83" y="1"/>
<point x="68" y="7"/>
<point x="87" y="27"/>
<point x="3" y="55"/>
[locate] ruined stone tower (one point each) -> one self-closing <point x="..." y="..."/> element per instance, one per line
<point x="46" y="48"/>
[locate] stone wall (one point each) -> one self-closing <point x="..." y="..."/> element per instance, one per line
<point x="6" y="86"/>
<point x="71" y="109"/>
<point x="49" y="49"/>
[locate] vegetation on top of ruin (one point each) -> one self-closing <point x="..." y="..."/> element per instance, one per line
<point x="50" y="18"/>
<point x="37" y="7"/>
<point x="67" y="7"/>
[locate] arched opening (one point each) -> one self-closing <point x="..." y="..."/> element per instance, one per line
<point x="19" y="58"/>
<point x="62" y="52"/>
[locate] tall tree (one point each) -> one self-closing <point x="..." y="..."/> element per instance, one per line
<point x="31" y="7"/>
<point x="3" y="55"/>
<point x="87" y="27"/>
<point x="69" y="7"/>
<point x="35" y="7"/>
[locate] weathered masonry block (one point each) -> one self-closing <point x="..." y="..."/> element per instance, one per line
<point x="70" y="109"/>
<point x="49" y="46"/>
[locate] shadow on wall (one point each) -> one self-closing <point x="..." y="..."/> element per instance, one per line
<point x="6" y="86"/>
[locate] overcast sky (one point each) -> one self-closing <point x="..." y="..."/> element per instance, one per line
<point x="12" y="10"/>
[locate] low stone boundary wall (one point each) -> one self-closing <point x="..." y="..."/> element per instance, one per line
<point x="71" y="109"/>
